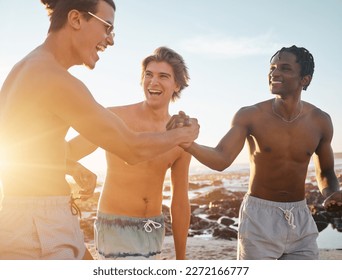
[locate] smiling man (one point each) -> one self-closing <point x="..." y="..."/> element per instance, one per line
<point x="283" y="134"/>
<point x="39" y="101"/>
<point x="130" y="224"/>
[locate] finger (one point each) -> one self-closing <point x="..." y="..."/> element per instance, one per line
<point x="171" y="122"/>
<point x="187" y="121"/>
<point x="180" y="124"/>
<point x="181" y="113"/>
<point x="85" y="197"/>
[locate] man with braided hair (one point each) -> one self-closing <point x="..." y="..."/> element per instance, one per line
<point x="283" y="134"/>
<point x="39" y="102"/>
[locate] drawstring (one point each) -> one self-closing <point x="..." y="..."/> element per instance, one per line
<point x="289" y="217"/>
<point x="75" y="210"/>
<point x="148" y="223"/>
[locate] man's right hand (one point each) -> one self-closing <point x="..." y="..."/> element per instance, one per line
<point x="179" y="120"/>
<point x="184" y="121"/>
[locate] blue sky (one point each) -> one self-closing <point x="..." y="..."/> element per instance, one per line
<point x="226" y="44"/>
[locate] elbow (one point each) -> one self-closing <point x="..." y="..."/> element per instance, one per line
<point x="221" y="165"/>
<point x="219" y="168"/>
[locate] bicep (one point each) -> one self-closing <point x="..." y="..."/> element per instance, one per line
<point x="73" y="103"/>
<point x="232" y="143"/>
<point x="324" y="157"/>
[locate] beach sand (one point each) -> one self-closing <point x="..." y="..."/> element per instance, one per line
<point x="219" y="249"/>
<point x="215" y="249"/>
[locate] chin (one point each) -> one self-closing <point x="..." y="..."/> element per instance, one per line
<point x="89" y="66"/>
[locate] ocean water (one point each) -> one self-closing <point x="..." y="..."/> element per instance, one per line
<point x="330" y="238"/>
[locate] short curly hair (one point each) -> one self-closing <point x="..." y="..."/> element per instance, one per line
<point x="303" y="57"/>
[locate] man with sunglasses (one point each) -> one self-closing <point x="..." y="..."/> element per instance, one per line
<point x="39" y="101"/>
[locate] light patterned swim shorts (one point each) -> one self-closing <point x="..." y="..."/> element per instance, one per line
<point x="129" y="238"/>
<point x="276" y="230"/>
<point x="40" y="228"/>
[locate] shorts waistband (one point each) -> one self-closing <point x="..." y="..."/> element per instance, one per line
<point x="285" y="205"/>
<point x="36" y="201"/>
<point x="114" y="217"/>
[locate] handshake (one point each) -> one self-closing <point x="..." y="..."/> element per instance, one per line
<point x="189" y="126"/>
<point x="179" y="120"/>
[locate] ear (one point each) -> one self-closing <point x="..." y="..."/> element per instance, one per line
<point x="74" y="19"/>
<point x="306" y="80"/>
<point x="177" y="89"/>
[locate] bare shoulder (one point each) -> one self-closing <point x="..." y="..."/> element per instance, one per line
<point x="125" y="110"/>
<point x="249" y="113"/>
<point x="316" y="113"/>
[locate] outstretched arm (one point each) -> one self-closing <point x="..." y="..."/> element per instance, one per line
<point x="222" y="156"/>
<point x="72" y="102"/>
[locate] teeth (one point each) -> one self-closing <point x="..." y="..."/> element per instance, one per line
<point x="100" y="48"/>
<point x="153" y="91"/>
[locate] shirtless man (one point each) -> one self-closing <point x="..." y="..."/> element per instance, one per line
<point x="39" y="101"/>
<point x="283" y="134"/>
<point x="130" y="224"/>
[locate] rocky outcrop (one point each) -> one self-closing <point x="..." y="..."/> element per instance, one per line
<point x="215" y="212"/>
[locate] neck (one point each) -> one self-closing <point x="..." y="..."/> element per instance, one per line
<point x="287" y="110"/>
<point x="56" y="44"/>
<point x="156" y="114"/>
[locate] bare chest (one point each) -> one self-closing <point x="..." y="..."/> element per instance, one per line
<point x="294" y="141"/>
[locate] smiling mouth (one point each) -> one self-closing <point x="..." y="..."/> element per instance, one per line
<point x="154" y="92"/>
<point x="100" y="48"/>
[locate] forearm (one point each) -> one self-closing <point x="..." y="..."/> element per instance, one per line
<point x="211" y="157"/>
<point x="79" y="147"/>
<point x="145" y="146"/>
<point x="180" y="216"/>
<point x="330" y="189"/>
<point x="70" y="166"/>
<point x="328" y="183"/>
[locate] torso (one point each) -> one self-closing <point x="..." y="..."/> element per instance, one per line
<point x="32" y="138"/>
<point x="280" y="152"/>
<point x="136" y="190"/>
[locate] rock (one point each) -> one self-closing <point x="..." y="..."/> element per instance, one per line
<point x="337" y="224"/>
<point x="226" y="221"/>
<point x="213" y="212"/>
<point x="225" y="233"/>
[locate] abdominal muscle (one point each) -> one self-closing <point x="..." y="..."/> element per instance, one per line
<point x="134" y="197"/>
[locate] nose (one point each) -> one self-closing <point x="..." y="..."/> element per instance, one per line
<point x="274" y="72"/>
<point x="110" y="39"/>
<point x="153" y="80"/>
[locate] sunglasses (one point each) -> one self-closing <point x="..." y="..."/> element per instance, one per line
<point x="110" y="27"/>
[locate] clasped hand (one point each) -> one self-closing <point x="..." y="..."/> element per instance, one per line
<point x="182" y="120"/>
